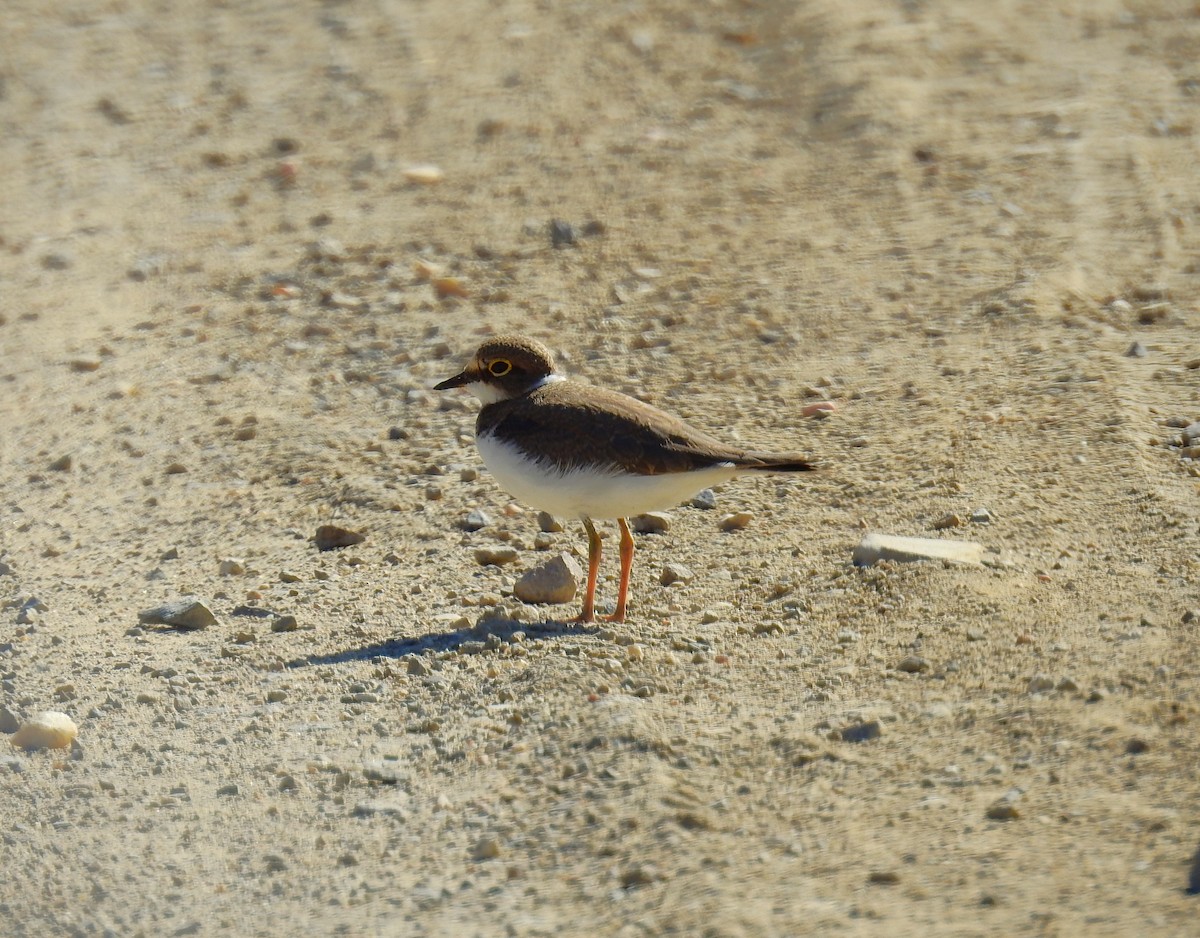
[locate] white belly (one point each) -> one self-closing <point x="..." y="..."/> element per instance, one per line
<point x="583" y="493"/>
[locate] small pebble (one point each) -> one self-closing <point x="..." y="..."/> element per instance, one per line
<point x="705" y="499"/>
<point x="981" y="516"/>
<point x="736" y="521"/>
<point x="949" y="521"/>
<point x="423" y="175"/>
<point x="876" y="547"/>
<point x="1136" y="350"/>
<point x="495" y="556"/>
<point x="1147" y="292"/>
<point x="652" y="522"/>
<point x="285" y="624"/>
<point x="331" y="537"/>
<point x="1041" y="682"/>
<point x="561" y="233"/>
<point x="675" y="573"/>
<point x="387" y="771"/>
<point x="555" y="581"/>
<point x="913" y="664"/>
<point x="1003" y="810"/>
<point x="486" y="848"/>
<point x="883" y="878"/>
<point x="444" y="287"/>
<point x="47" y="730"/>
<point x="638" y="875"/>
<point x="862" y="732"/>
<point x="820" y="410"/>
<point x="547" y="523"/>
<point x="180" y="614"/>
<point x="9" y="721"/>
<point x="476" y="520"/>
<point x="231" y="567"/>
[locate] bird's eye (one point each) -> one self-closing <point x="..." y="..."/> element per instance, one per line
<point x="499" y="368"/>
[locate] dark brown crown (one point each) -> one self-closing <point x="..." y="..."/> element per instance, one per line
<point x="511" y="364"/>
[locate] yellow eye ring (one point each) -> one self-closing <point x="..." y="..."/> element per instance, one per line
<point x="499" y="368"/>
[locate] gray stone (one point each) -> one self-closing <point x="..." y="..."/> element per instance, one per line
<point x="547" y="523"/>
<point x="9" y="721"/>
<point x="913" y="664"/>
<point x="555" y="581"/>
<point x="387" y="771"/>
<point x="475" y="520"/>
<point x="1040" y="683"/>
<point x="705" y="499"/>
<point x="417" y="667"/>
<point x="862" y="732"/>
<point x="180" y="614"/>
<point x="675" y="573"/>
<point x="393" y="806"/>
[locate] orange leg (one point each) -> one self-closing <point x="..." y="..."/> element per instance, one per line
<point x="589" y="598"/>
<point x="626" y="567"/>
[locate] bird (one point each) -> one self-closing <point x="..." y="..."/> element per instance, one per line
<point x="582" y="451"/>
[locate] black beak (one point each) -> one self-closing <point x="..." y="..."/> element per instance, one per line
<point x="457" y="381"/>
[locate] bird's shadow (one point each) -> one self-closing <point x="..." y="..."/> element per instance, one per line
<point x="502" y="629"/>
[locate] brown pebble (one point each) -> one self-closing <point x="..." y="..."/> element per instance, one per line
<point x="331" y="537"/>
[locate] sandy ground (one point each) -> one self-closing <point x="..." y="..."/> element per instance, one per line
<point x="954" y="219"/>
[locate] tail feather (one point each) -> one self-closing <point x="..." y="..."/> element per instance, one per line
<point x="778" y="462"/>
